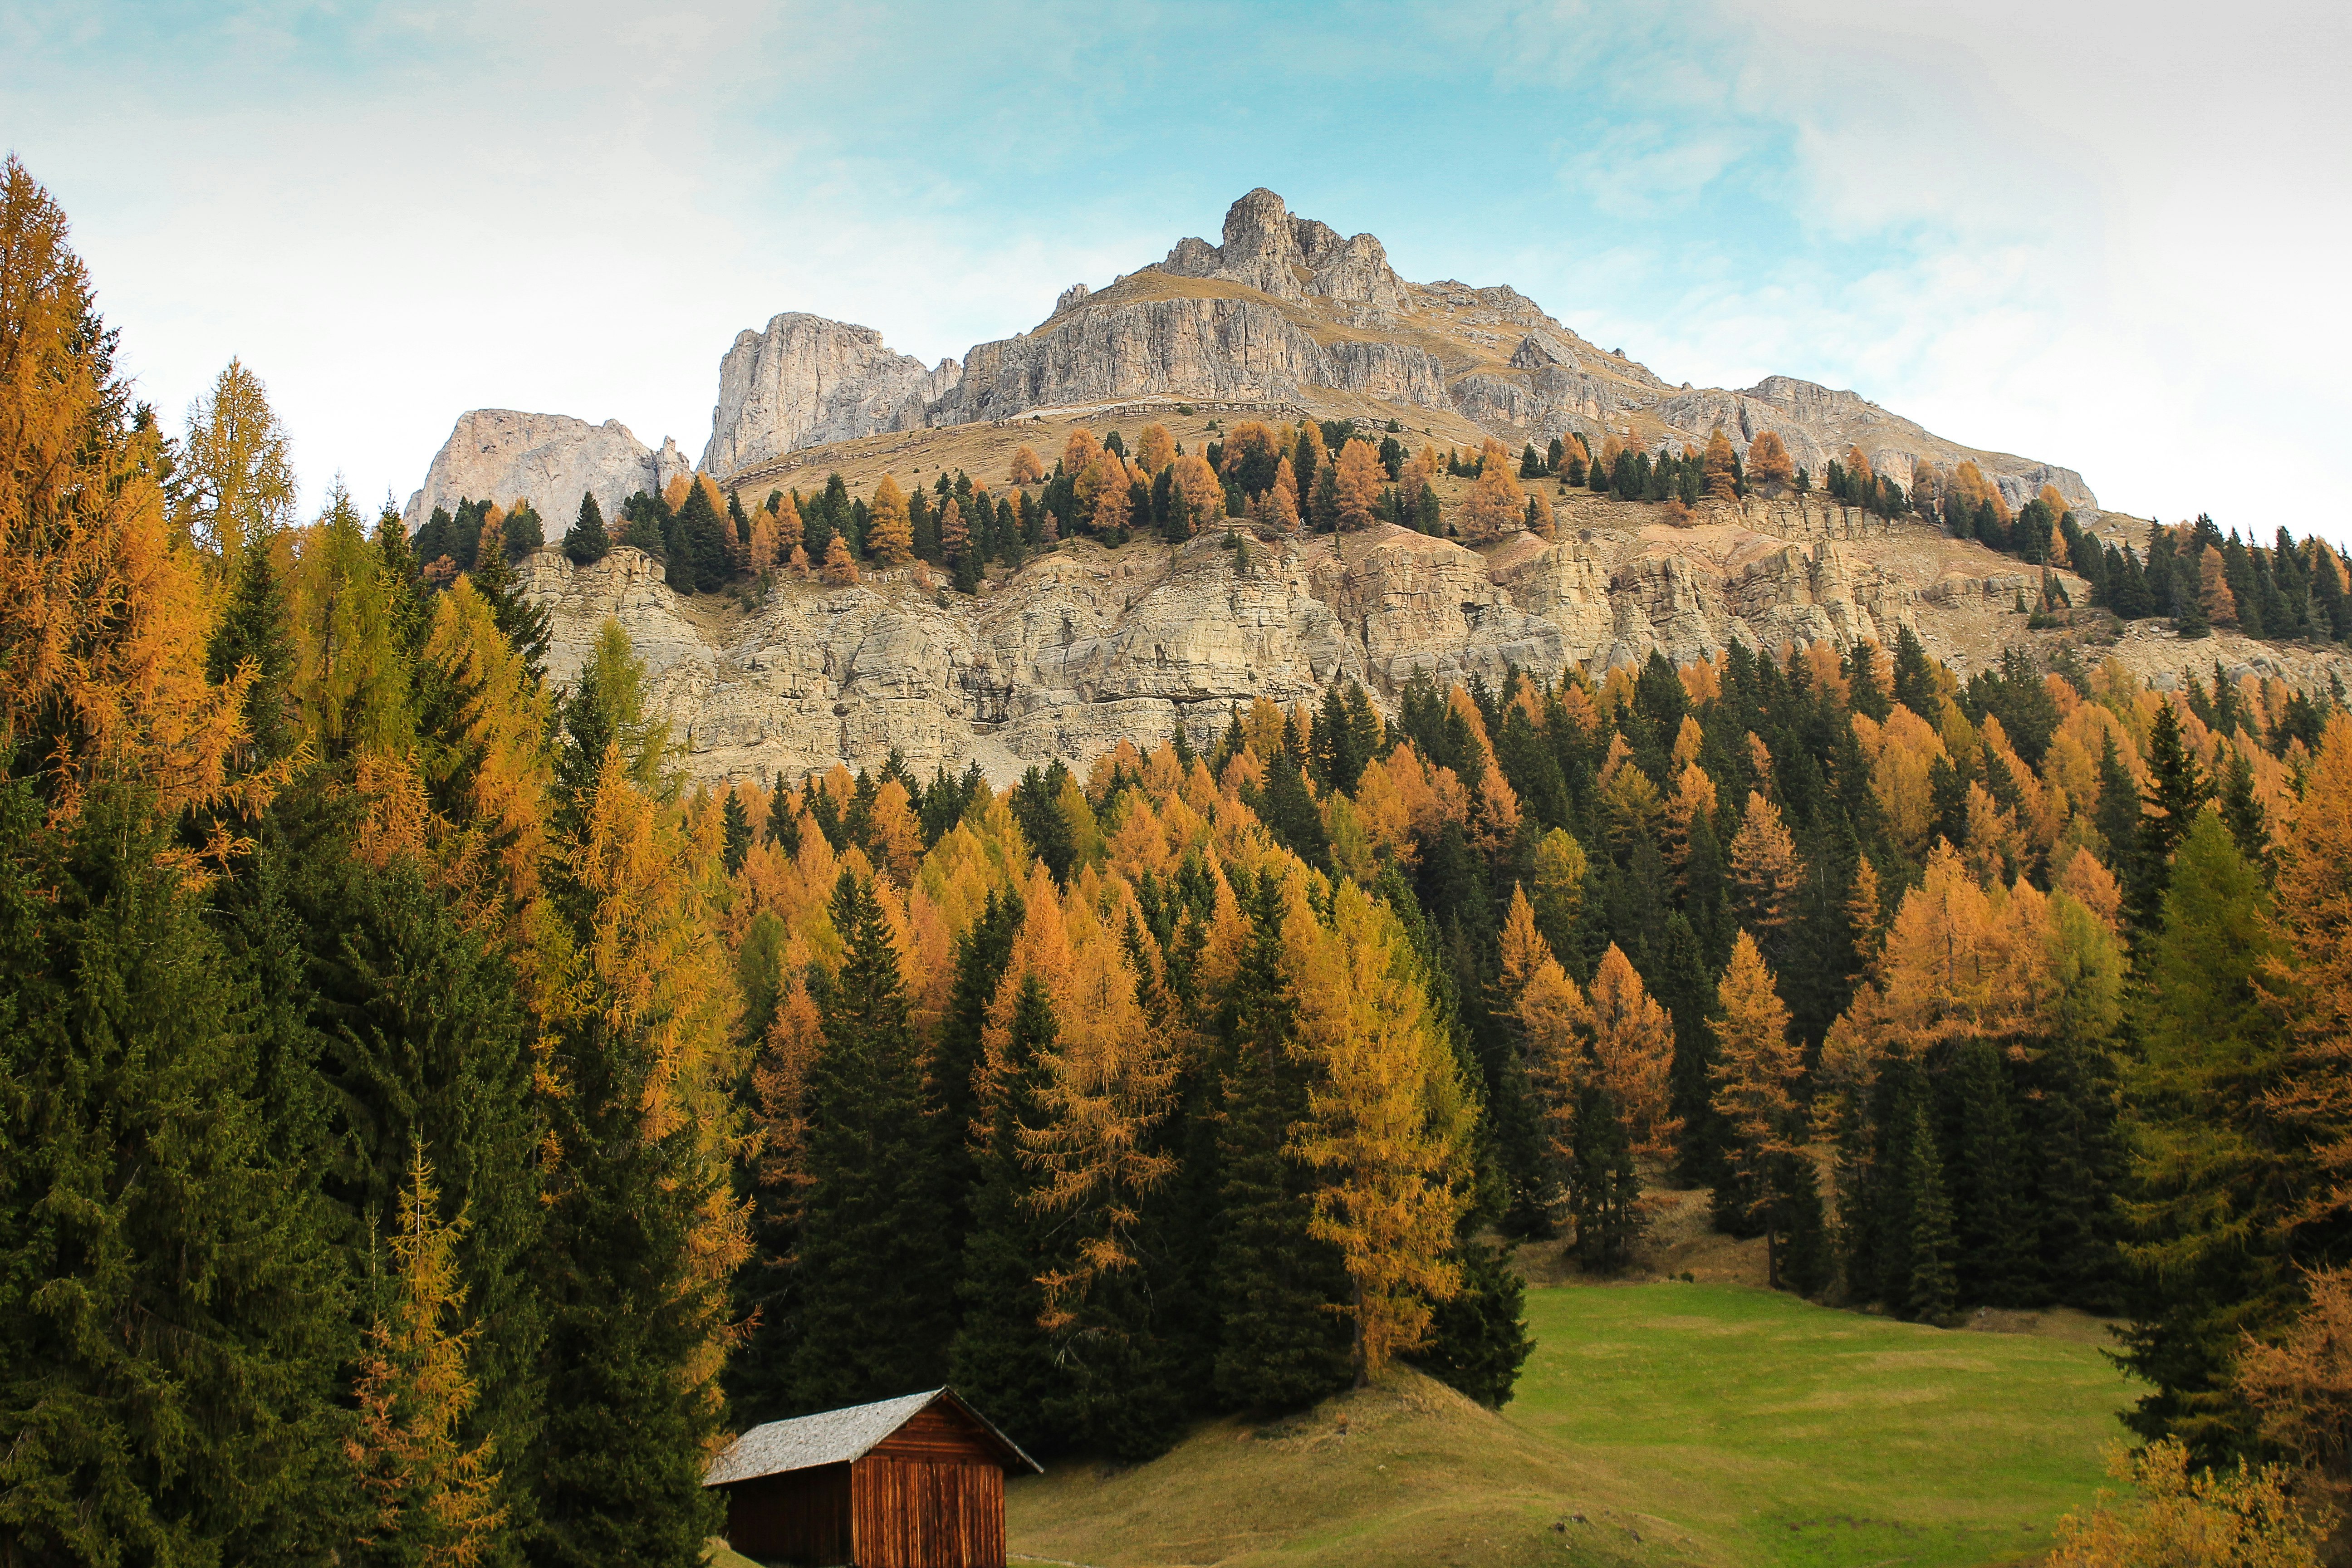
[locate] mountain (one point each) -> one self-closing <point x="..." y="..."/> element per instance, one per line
<point x="1086" y="645"/>
<point x="1284" y="312"/>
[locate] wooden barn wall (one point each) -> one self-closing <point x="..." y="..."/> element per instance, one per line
<point x="920" y="1511"/>
<point x="802" y="1517"/>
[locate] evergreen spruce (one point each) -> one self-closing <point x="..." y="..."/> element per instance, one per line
<point x="735" y="832"/>
<point x="874" y="1271"/>
<point x="171" y="1318"/>
<point x="1282" y="1345"/>
<point x="1930" y="1282"/>
<point x="1001" y="1357"/>
<point x="585" y="540"/>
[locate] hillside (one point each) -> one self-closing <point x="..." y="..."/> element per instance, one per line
<point x="1090" y="644"/>
<point x="1661" y="1424"/>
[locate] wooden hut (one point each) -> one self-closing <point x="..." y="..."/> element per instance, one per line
<point x="916" y="1482"/>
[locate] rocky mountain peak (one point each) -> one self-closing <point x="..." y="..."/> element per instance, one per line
<point x="1292" y="258"/>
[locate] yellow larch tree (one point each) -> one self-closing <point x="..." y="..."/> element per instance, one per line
<point x="1765" y="866"/>
<point x="1718" y="467"/>
<point x="1634" y="1052"/>
<point x="1155" y="449"/>
<point x="423" y="1486"/>
<point x="235" y="477"/>
<point x="1027" y="467"/>
<point x="1495" y="500"/>
<point x="1755" y="1075"/>
<point x="889" y="531"/>
<point x="1768" y="461"/>
<point x="1389" y="1123"/>
<point x="1110" y="1083"/>
<point x="1358" y="479"/>
<point x="1079" y="452"/>
<point x="102" y="624"/>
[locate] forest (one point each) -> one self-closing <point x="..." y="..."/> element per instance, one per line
<point x="428" y="1121"/>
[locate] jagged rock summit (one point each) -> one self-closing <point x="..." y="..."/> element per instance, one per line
<point x="1282" y="314"/>
<point x="551" y="459"/>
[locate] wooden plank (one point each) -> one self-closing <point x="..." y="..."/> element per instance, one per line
<point x="801" y="1517"/>
<point x="910" y="1512"/>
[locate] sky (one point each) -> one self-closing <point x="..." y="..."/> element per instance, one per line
<point x="2110" y="236"/>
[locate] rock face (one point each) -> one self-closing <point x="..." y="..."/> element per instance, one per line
<point x="1110" y="348"/>
<point x="1284" y="310"/>
<point x="502" y="455"/>
<point x="1087" y="647"/>
<point x="806" y="381"/>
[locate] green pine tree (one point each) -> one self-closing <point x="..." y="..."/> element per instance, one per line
<point x="1281" y="1345"/>
<point x="253" y="626"/>
<point x="874" y="1271"/>
<point x="524" y="622"/>
<point x="171" y="1319"/>
<point x="1001" y="1357"/>
<point x="1995" y="1261"/>
<point x="735" y="832"/>
<point x="585" y="542"/>
<point x="1930" y="1285"/>
<point x="2211" y="1172"/>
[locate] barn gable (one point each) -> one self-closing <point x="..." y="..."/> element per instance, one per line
<point x="838" y="1436"/>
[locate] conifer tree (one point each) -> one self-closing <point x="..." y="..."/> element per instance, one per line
<point x="632" y="1269"/>
<point x="431" y="1497"/>
<point x="890" y="530"/>
<point x="585" y="540"/>
<point x="523" y="622"/>
<point x="170" y="1318"/>
<point x="1930" y="1282"/>
<point x="1995" y="1257"/>
<point x="235" y="476"/>
<point x="1002" y="1357"/>
<point x="735" y="831"/>
<point x="2176" y="787"/>
<point x="1275" y="1284"/>
<point x="253" y="626"/>
<point x="874" y="1273"/>
<point x="2210" y="1171"/>
<point x="1757" y="1073"/>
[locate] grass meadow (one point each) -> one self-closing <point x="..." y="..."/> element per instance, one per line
<point x="1703" y="1423"/>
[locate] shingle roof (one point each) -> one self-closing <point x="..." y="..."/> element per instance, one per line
<point x="834" y="1436"/>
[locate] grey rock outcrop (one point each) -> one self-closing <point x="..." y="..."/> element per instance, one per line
<point x="1089" y="646"/>
<point x="505" y="455"/>
<point x="1107" y="348"/>
<point x="1292" y="258"/>
<point x="805" y="381"/>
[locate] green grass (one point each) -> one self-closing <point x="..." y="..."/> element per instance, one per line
<point x="1807" y="1439"/>
<point x="1713" y="1426"/>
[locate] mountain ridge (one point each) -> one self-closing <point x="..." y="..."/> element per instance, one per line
<point x="1282" y="312"/>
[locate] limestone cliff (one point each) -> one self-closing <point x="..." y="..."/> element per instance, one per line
<point x="805" y="381"/>
<point x="1087" y="647"/>
<point x="503" y="455"/>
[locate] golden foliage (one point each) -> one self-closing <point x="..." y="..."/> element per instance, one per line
<point x="236" y="482"/>
<point x="1495" y="503"/>
<point x="1756" y="1073"/>
<point x="1718" y="466"/>
<point x="1198" y="492"/>
<point x="839" y="568"/>
<point x="890" y="532"/>
<point x="1768" y="461"/>
<point x="1764" y="865"/>
<point x="1390" y="1120"/>
<point x="1027" y="468"/>
<point x="2213" y="1518"/>
<point x="1358" y="479"/>
<point x="1079" y="452"/>
<point x="422" y="1485"/>
<point x="1155" y="449"/>
<point x="1634" y="1052"/>
<point x="102" y="624"/>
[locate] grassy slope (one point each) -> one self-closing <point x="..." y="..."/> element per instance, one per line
<point x="1700" y="1423"/>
